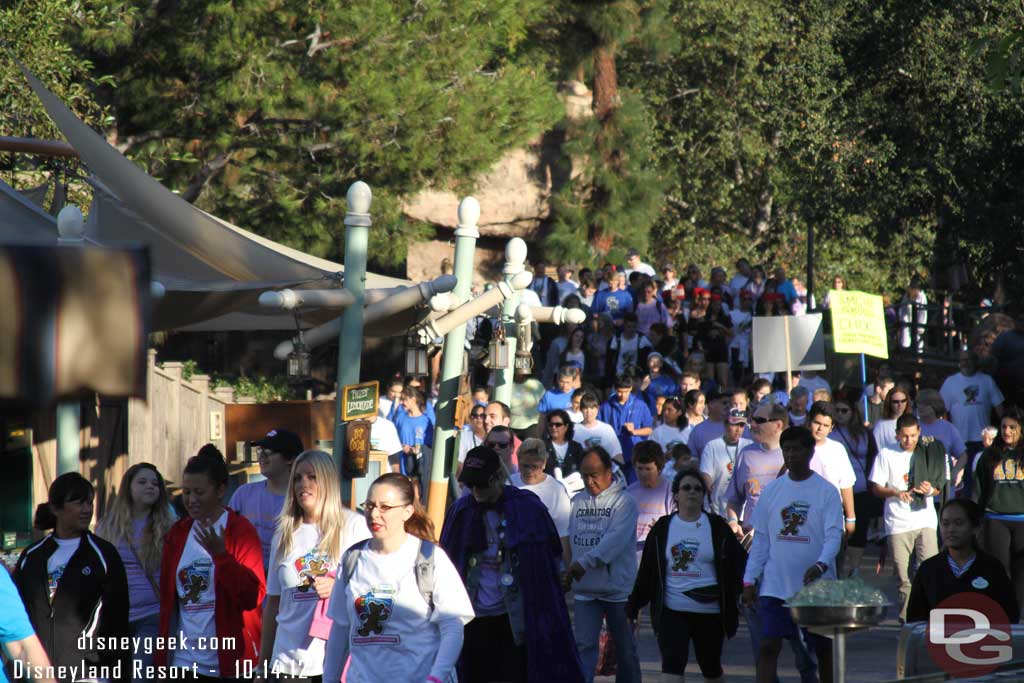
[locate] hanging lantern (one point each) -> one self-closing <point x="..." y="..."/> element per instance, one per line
<point x="499" y="350"/>
<point x="524" y="362"/>
<point x="298" y="362"/>
<point x="416" y="363"/>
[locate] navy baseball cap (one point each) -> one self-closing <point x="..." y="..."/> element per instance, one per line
<point x="281" y="441"/>
<point x="480" y="466"/>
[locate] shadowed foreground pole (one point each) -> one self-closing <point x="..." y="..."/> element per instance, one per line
<point x="445" y="441"/>
<point x="350" y="341"/>
<point x="515" y="260"/>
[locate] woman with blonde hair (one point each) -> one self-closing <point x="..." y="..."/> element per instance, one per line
<point x="136" y="523"/>
<point x="313" y="531"/>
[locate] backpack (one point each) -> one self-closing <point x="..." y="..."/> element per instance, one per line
<point x="424" y="568"/>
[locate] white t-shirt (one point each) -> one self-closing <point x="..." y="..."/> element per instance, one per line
<point x="718" y="461"/>
<point x="194" y="582"/>
<point x="575" y="415"/>
<point x="667" y="437"/>
<point x="969" y="401"/>
<point x="831" y="461"/>
<point x="56" y="563"/>
<point x="796" y="524"/>
<point x="384" y="436"/>
<point x="296" y="653"/>
<point x="629" y="351"/>
<point x="691" y="564"/>
<point x="892" y="469"/>
<point x="554" y="496"/>
<point x="560" y="450"/>
<point x="468" y="441"/>
<point x="392" y="634"/>
<point x="600" y="434"/>
<point x="885" y="434"/>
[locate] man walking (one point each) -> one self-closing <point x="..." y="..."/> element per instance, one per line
<point x="719" y="459"/>
<point x="602" y="535"/>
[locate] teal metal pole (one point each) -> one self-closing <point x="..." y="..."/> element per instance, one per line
<point x="71" y="231"/>
<point x="515" y="260"/>
<point x="466" y="235"/>
<point x="350" y="340"/>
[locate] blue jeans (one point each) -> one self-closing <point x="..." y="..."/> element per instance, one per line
<point x="147" y="629"/>
<point x="589" y="614"/>
<point x="805" y="663"/>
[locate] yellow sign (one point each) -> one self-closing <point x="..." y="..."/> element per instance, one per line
<point x="858" y="323"/>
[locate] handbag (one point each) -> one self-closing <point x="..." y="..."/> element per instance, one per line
<point x="606" y="653"/>
<point x="704" y="594"/>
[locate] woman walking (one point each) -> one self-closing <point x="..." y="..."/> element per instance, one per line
<point x="137" y="522"/>
<point x="312" y="532"/>
<point x="211" y="578"/>
<point x="691" y="573"/>
<point x="861" y="450"/>
<point x="399" y="606"/>
<point x="73" y="583"/>
<point x="897" y="402"/>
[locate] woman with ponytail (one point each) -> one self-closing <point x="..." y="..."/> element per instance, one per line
<point x="137" y="522"/>
<point x="961" y="567"/>
<point x="399" y="605"/>
<point x="211" y="579"/>
<point x="312" y="532"/>
<point x="73" y="582"/>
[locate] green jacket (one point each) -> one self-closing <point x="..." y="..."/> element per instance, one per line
<point x="928" y="463"/>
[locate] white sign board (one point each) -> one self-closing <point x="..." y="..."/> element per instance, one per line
<point x="806" y="349"/>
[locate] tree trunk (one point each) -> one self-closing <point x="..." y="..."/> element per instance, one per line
<point x="606" y="83"/>
<point x="766" y="197"/>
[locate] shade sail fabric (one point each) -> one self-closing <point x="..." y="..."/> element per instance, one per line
<point x="74" y="320"/>
<point x="213" y="271"/>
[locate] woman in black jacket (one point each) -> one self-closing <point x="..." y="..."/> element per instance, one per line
<point x="73" y="584"/>
<point x="563" y="453"/>
<point x="961" y="567"/>
<point x="696" y="594"/>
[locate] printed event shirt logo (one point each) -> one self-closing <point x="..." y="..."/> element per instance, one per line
<point x="373" y="609"/>
<point x="969" y="635"/>
<point x="971" y="393"/>
<point x="309" y="567"/>
<point x="53" y="580"/>
<point x="682" y="555"/>
<point x="794" y="516"/>
<point x="193" y="581"/>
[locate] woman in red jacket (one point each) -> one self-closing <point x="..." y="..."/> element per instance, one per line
<point x="211" y="579"/>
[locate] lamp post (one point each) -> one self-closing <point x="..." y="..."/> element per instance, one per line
<point x="71" y="230"/>
<point x="466" y="235"/>
<point x="515" y="260"/>
<point x="350" y="339"/>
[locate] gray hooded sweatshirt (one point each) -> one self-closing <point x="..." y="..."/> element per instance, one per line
<point x="602" y="532"/>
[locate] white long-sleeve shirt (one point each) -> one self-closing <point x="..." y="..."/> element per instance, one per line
<point x="796" y="524"/>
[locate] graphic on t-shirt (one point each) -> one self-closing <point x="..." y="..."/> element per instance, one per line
<point x="794" y="516"/>
<point x="682" y="555"/>
<point x="194" y="580"/>
<point x="1008" y="471"/>
<point x="309" y="567"/>
<point x="971" y="392"/>
<point x="53" y="578"/>
<point x="593" y="441"/>
<point x="373" y="609"/>
<point x="754" y="486"/>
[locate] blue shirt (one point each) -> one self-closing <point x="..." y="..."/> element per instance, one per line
<point x="787" y="290"/>
<point x="659" y="386"/>
<point x="554" y="400"/>
<point x="617" y="414"/>
<point x="15" y="624"/>
<point x="414" y="431"/>
<point x="614" y="303"/>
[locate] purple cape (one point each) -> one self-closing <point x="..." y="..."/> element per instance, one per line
<point x="551" y="654"/>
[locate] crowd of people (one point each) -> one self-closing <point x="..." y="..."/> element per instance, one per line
<point x="644" y="468"/>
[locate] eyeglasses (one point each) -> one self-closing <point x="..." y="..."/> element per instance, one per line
<point x="476" y="416"/>
<point x="492" y="444"/>
<point x="689" y="487"/>
<point x="556" y="424"/>
<point x="370" y="506"/>
<point x="761" y="420"/>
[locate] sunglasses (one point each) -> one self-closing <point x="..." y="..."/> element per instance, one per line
<point x="476" y="416"/>
<point x="556" y="424"/>
<point x="761" y="420"/>
<point x="691" y="487"/>
<point x="503" y="444"/>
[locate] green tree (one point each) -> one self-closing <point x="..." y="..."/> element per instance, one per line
<point x="264" y="112"/>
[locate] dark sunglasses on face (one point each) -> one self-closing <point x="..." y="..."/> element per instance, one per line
<point x="556" y="424"/>
<point x="498" y="445"/>
<point x="476" y="416"/>
<point x="691" y="487"/>
<point x="761" y="420"/>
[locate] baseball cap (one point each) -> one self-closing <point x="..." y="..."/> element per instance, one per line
<point x="736" y="417"/>
<point x="480" y="466"/>
<point x="282" y="441"/>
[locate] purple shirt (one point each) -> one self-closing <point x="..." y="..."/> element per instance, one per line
<point x="653" y="504"/>
<point x="142" y="599"/>
<point x="261" y="507"/>
<point x="755" y="468"/>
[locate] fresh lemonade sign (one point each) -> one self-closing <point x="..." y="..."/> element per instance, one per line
<point x="359" y="401"/>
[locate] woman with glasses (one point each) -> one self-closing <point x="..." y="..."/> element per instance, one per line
<point x="388" y="623"/>
<point x="564" y="454"/>
<point x="861" y="449"/>
<point x="312" y="531"/>
<point x="691" y="573"/>
<point x="897" y="402"/>
<point x="999" y="491"/>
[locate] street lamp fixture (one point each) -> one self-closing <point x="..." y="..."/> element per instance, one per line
<point x="498" y="351"/>
<point x="416" y="363"/>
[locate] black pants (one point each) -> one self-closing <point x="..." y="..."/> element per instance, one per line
<point x="490" y="654"/>
<point x="1005" y="540"/>
<point x="676" y="631"/>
